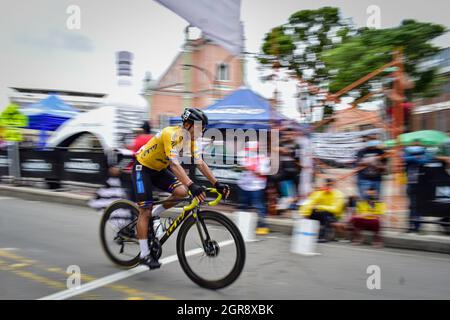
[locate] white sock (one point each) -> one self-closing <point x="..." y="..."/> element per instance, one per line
<point x="143" y="244"/>
<point x="156" y="212"/>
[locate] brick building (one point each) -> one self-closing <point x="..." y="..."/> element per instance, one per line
<point x="352" y="119"/>
<point x="434" y="113"/>
<point x="199" y="75"/>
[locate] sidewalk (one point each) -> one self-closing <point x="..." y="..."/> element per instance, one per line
<point x="393" y="238"/>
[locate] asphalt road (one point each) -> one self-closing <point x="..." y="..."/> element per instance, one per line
<point x="39" y="241"/>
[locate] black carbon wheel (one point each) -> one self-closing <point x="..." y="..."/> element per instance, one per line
<point x="224" y="250"/>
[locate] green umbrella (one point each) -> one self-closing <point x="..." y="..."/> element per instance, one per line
<point x="426" y="137"/>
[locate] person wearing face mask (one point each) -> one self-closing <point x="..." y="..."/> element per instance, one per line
<point x="368" y="217"/>
<point x="371" y="162"/>
<point x="327" y="206"/>
<point x="414" y="156"/>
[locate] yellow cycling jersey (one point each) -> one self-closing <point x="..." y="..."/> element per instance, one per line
<point x="163" y="147"/>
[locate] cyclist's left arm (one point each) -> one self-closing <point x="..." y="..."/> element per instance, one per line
<point x="206" y="171"/>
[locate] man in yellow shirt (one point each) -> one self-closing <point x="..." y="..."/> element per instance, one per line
<point x="151" y="170"/>
<point x="368" y="217"/>
<point x="327" y="206"/>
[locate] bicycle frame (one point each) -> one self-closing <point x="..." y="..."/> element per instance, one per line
<point x="187" y="211"/>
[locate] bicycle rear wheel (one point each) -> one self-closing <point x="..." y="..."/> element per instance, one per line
<point x="211" y="250"/>
<point x="118" y="233"/>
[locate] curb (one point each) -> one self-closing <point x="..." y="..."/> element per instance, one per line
<point x="44" y="195"/>
<point x="392" y="239"/>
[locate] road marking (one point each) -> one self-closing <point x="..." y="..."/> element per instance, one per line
<point x="19" y="265"/>
<point x="6" y="266"/>
<point x="385" y="252"/>
<point x="119" y="276"/>
<point x="31" y="276"/>
<point x="6" y="198"/>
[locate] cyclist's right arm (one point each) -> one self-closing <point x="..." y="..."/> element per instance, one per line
<point x="196" y="190"/>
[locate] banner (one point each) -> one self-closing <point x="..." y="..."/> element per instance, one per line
<point x="39" y="164"/>
<point x="89" y="167"/>
<point x="220" y="20"/>
<point x="4" y="162"/>
<point x="339" y="147"/>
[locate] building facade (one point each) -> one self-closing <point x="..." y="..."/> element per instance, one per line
<point x="200" y="74"/>
<point x="434" y="113"/>
<point x="353" y="119"/>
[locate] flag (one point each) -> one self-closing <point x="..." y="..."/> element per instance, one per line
<point x="219" y="20"/>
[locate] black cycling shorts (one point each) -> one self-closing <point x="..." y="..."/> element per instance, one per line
<point x="145" y="179"/>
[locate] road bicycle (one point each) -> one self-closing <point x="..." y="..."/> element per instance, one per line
<point x="209" y="246"/>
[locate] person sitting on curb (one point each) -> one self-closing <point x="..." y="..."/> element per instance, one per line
<point x="327" y="206"/>
<point x="368" y="217"/>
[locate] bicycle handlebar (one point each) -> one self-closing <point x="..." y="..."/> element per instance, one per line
<point x="214" y="202"/>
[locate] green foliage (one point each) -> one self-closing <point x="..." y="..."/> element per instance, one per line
<point x="279" y="45"/>
<point x="360" y="51"/>
<point x="373" y="48"/>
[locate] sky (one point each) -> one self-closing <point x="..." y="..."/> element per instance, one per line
<point x="39" y="51"/>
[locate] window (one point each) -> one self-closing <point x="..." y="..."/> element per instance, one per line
<point x="223" y="72"/>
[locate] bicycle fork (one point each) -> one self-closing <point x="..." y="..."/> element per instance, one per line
<point x="210" y="247"/>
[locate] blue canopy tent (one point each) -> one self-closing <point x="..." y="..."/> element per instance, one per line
<point x="48" y="114"/>
<point x="242" y="109"/>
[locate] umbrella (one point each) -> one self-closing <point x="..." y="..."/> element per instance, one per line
<point x="426" y="137"/>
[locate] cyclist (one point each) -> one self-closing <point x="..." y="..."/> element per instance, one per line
<point x="151" y="170"/>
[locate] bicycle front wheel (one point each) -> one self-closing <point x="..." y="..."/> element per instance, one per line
<point x="211" y="250"/>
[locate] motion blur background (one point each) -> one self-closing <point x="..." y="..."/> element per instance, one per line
<point x="358" y="93"/>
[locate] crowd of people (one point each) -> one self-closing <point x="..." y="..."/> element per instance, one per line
<point x="295" y="187"/>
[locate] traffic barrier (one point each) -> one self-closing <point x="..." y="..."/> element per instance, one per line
<point x="304" y="237"/>
<point x="246" y="222"/>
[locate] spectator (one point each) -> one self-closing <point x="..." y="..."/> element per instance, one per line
<point x="368" y="217"/>
<point x="289" y="167"/>
<point x="327" y="206"/>
<point x="110" y="192"/>
<point x="414" y="156"/>
<point x="142" y="137"/>
<point x="306" y="165"/>
<point x="371" y="163"/>
<point x="252" y="184"/>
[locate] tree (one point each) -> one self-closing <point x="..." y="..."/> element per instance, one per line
<point x="298" y="44"/>
<point x="372" y="48"/>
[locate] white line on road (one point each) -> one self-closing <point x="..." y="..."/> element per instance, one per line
<point x="62" y="295"/>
